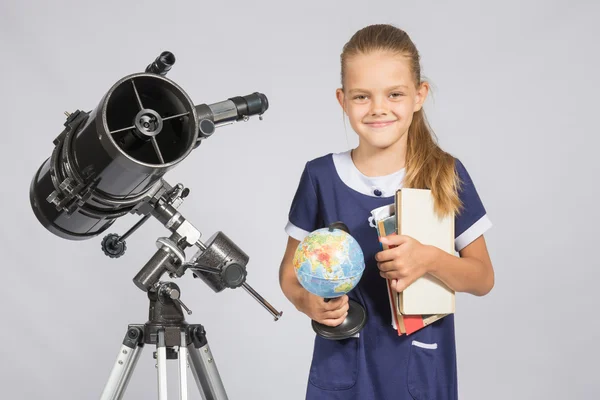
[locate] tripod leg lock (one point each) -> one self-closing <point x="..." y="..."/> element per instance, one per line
<point x="134" y="336"/>
<point x="198" y="336"/>
<point x="127" y="358"/>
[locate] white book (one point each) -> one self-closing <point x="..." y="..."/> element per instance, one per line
<point x="416" y="217"/>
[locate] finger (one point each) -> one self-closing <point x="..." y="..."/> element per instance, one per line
<point x="334" y="322"/>
<point x="389" y="255"/>
<point x="386" y="266"/>
<point x="337" y="313"/>
<point x="391" y="270"/>
<point x="390" y="275"/>
<point x="400" y="285"/>
<point x="403" y="283"/>
<point x="335" y="303"/>
<point x="394" y="240"/>
<point x="385" y="255"/>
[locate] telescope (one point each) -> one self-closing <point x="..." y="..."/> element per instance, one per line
<point x="110" y="162"/>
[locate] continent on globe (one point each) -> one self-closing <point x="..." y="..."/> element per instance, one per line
<point x="329" y="262"/>
<point x="344" y="287"/>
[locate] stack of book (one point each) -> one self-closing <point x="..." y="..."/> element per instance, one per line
<point x="427" y="299"/>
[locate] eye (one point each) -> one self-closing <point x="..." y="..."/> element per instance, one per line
<point x="396" y="95"/>
<point x="360" y="97"/>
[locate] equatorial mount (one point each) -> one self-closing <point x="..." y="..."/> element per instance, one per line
<point x="219" y="262"/>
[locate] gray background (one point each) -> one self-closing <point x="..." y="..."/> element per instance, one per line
<point x="515" y="89"/>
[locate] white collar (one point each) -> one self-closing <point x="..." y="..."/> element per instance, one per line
<point x="375" y="186"/>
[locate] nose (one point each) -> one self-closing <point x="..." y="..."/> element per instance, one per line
<point x="378" y="106"/>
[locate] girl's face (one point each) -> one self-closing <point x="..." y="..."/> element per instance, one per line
<point x="380" y="97"/>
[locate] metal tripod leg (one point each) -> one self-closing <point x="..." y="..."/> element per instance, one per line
<point x="203" y="366"/>
<point x="161" y="362"/>
<point x="128" y="356"/>
<point x="198" y="353"/>
<point x="161" y="357"/>
<point x="183" y="360"/>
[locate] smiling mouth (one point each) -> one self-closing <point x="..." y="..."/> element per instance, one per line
<point x="379" y="124"/>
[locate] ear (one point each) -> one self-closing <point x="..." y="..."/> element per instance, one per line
<point x="339" y="94"/>
<point x="421" y="96"/>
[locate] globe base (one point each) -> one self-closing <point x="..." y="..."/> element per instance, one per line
<point x="354" y="322"/>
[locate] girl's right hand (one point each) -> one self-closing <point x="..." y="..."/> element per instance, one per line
<point x="330" y="313"/>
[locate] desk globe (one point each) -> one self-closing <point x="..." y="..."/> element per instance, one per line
<point x="329" y="263"/>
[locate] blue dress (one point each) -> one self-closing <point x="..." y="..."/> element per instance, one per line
<point x="378" y="364"/>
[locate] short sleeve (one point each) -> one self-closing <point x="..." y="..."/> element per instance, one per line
<point x="472" y="220"/>
<point x="304" y="211"/>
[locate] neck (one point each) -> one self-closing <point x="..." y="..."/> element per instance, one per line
<point x="374" y="161"/>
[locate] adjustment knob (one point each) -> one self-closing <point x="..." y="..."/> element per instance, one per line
<point x="174" y="295"/>
<point x="112" y="246"/>
<point x="206" y="128"/>
<point x="170" y="291"/>
<point x="233" y="275"/>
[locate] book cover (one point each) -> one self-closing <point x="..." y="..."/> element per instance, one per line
<point x="416" y="217"/>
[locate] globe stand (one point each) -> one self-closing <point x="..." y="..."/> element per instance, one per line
<point x="357" y="315"/>
<point x="354" y="322"/>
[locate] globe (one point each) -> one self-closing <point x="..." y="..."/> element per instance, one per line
<point x="329" y="262"/>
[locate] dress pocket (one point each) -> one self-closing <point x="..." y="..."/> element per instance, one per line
<point x="334" y="364"/>
<point x="422" y="370"/>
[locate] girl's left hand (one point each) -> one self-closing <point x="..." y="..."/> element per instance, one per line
<point x="403" y="264"/>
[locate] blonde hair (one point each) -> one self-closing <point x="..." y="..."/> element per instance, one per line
<point x="427" y="165"/>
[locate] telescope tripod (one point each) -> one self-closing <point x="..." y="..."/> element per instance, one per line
<point x="175" y="339"/>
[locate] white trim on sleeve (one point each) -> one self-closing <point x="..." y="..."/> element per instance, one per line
<point x="295" y="232"/>
<point x="474" y="231"/>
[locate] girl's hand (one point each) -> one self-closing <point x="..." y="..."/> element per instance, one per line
<point x="330" y="313"/>
<point x="405" y="261"/>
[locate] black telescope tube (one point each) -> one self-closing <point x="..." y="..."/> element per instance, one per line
<point x="102" y="166"/>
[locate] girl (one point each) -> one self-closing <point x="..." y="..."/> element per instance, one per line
<point x="382" y="94"/>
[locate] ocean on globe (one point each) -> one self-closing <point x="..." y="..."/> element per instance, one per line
<point x="329" y="263"/>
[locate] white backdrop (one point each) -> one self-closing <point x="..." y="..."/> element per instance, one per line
<point x="515" y="98"/>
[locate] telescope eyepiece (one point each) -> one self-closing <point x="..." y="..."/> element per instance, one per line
<point x="162" y="64"/>
<point x="252" y="104"/>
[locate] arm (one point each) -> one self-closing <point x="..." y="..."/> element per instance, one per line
<point x="330" y="313"/>
<point x="472" y="272"/>
<point x="292" y="289"/>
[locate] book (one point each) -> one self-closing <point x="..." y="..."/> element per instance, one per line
<point x="385" y="222"/>
<point x="416" y="217"/>
<point x="385" y="227"/>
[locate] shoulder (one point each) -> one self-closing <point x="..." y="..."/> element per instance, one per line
<point x="319" y="168"/>
<point x="460" y="169"/>
<point x="320" y="163"/>
<point x="472" y="219"/>
<point x="305" y="213"/>
<point x="312" y="174"/>
<point x="465" y="184"/>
